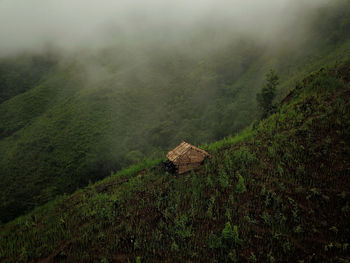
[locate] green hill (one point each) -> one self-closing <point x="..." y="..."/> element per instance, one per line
<point x="69" y="120"/>
<point x="277" y="192"/>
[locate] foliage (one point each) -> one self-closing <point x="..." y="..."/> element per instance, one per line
<point x="22" y="73"/>
<point x="267" y="94"/>
<point x="230" y="235"/>
<point x="66" y="123"/>
<point x="295" y="165"/>
<point x="240" y="187"/>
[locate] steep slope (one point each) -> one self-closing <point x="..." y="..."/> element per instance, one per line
<point x="79" y="119"/>
<point x="21" y="73"/>
<point x="277" y="192"/>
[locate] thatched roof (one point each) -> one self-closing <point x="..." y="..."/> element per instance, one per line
<point x="182" y="149"/>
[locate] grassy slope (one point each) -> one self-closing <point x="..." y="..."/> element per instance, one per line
<point x="23" y="72"/>
<point x="279" y="191"/>
<point x="60" y="134"/>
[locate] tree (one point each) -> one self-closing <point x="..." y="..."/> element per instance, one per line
<point x="267" y="94"/>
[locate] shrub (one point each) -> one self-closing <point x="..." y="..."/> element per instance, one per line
<point x="240" y="187"/>
<point x="243" y="158"/>
<point x="230" y="235"/>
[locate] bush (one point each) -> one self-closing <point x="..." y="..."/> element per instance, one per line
<point x="240" y="187"/>
<point x="230" y="235"/>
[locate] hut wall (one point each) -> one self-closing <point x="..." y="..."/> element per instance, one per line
<point x="183" y="168"/>
<point x="191" y="160"/>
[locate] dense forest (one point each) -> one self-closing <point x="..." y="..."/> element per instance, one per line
<point x="69" y="120"/>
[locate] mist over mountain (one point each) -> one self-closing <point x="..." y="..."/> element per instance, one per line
<point x="72" y="25"/>
<point x="93" y="94"/>
<point x="276" y="192"/>
<point x="88" y="88"/>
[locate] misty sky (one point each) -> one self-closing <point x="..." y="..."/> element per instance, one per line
<point x="33" y="24"/>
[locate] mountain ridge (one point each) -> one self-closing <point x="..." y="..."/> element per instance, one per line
<point x="269" y="194"/>
<point x="71" y="118"/>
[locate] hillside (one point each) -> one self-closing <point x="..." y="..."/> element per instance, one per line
<point x="277" y="192"/>
<point x="71" y="119"/>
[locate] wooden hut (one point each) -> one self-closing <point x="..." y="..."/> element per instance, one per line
<point x="186" y="157"/>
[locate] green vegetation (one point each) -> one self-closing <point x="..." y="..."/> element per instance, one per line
<point x="267" y="94"/>
<point x="285" y="197"/>
<point x="21" y="73"/>
<point x="66" y="122"/>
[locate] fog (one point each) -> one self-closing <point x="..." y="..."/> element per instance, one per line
<point x="93" y="86"/>
<point x="71" y="25"/>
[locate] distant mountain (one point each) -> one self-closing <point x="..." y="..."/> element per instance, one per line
<point x="70" y="119"/>
<point x="276" y="192"/>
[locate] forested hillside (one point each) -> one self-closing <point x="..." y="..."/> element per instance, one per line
<point x="70" y="119"/>
<point x="277" y="192"/>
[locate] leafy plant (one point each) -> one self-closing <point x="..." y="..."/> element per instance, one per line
<point x="230" y="235"/>
<point x="240" y="186"/>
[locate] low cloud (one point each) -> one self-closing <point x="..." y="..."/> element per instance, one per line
<point x="66" y="24"/>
